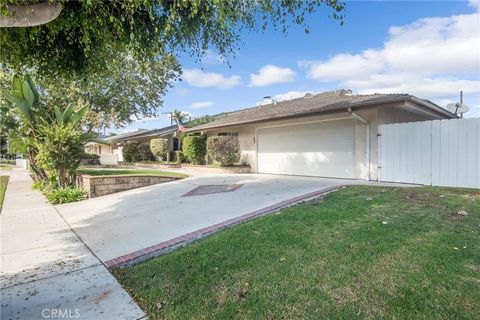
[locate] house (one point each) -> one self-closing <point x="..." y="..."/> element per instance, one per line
<point x="144" y="136"/>
<point x="331" y="134"/>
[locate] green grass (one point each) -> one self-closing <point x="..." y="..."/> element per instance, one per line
<point x="362" y="253"/>
<point x="3" y="188"/>
<point x="6" y="167"/>
<point x="116" y="172"/>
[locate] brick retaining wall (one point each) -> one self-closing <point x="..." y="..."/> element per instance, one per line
<point x="96" y="186"/>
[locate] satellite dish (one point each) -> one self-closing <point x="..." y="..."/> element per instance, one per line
<point x="457" y="108"/>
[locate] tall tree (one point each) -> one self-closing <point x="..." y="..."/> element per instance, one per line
<point x="97" y="48"/>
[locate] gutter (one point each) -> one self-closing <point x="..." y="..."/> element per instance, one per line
<point x="358" y="117"/>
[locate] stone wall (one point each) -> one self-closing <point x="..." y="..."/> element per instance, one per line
<point x="96" y="186"/>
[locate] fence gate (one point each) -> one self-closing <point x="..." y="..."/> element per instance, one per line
<point x="438" y="152"/>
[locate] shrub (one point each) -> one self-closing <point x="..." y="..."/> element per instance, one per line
<point x="90" y="159"/>
<point x="159" y="148"/>
<point x="3" y="161"/>
<point x="194" y="148"/>
<point x="130" y="152"/>
<point x="64" y="194"/>
<point x="60" y="151"/>
<point x="90" y="156"/>
<point x="223" y="150"/>
<point x="145" y="153"/>
<point x="177" y="156"/>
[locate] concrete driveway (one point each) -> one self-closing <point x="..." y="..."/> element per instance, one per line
<point x="118" y="224"/>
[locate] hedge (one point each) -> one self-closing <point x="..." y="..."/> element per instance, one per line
<point x="145" y="152"/>
<point x="130" y="152"/>
<point x="223" y="150"/>
<point x="159" y="148"/>
<point x="195" y="148"/>
<point x="177" y="156"/>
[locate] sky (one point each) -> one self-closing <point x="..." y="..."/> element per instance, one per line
<point x="430" y="49"/>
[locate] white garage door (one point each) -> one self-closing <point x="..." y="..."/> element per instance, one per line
<point x="324" y="149"/>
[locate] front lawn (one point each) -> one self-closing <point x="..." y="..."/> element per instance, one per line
<point x="117" y="172"/>
<point x="5" y="167"/>
<point x="362" y="253"/>
<point x="3" y="188"/>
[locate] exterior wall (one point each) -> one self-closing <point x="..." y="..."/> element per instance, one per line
<point x="366" y="162"/>
<point x="247" y="138"/>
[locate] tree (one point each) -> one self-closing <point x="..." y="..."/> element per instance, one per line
<point x="88" y="33"/>
<point x="60" y="150"/>
<point x="24" y="115"/>
<point x="119" y="56"/>
<point x="179" y="116"/>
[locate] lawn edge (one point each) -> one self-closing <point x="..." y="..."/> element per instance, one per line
<point x="183" y="240"/>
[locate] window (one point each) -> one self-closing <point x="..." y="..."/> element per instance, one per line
<point x="175" y="144"/>
<point x="232" y="134"/>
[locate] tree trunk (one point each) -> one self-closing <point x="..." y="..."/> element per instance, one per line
<point x="39" y="173"/>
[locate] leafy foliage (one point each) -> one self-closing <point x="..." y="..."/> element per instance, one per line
<point x="224" y="150"/>
<point x="60" y="150"/>
<point x="177" y="156"/>
<point x="201" y="120"/>
<point x="145" y="152"/>
<point x="65" y="195"/>
<point x="119" y="57"/>
<point x="28" y="119"/>
<point x="159" y="148"/>
<point x="194" y="148"/>
<point x="21" y="115"/>
<point x="130" y="152"/>
<point x="87" y="34"/>
<point x="118" y="93"/>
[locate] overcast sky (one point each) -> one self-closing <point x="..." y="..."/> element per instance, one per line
<point x="430" y="49"/>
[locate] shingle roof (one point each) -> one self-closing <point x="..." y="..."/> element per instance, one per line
<point x="125" y="135"/>
<point x="323" y="102"/>
<point x="143" y="133"/>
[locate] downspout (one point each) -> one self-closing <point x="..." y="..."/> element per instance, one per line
<point x="359" y="118"/>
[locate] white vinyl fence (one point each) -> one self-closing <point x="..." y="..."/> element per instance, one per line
<point x="438" y="152"/>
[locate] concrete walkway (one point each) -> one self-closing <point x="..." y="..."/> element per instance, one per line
<point x="46" y="270"/>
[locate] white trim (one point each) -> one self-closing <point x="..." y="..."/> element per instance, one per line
<point x="356" y="116"/>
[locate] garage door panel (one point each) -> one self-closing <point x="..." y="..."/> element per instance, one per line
<point x="314" y="149"/>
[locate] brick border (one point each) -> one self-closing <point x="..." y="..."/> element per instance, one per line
<point x="178" y="242"/>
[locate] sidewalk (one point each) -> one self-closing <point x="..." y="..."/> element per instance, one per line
<point x="46" y="271"/>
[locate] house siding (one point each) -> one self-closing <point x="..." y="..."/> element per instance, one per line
<point x="366" y="165"/>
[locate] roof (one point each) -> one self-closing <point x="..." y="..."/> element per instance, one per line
<point x="146" y="133"/>
<point x="125" y="135"/>
<point x="313" y="104"/>
<point x="97" y="141"/>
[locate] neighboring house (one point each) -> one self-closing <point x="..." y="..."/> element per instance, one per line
<point x="98" y="147"/>
<point x="144" y="136"/>
<point x="331" y="134"/>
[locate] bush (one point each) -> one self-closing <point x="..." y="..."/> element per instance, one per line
<point x="159" y="148"/>
<point x="64" y="195"/>
<point x="223" y="150"/>
<point x="130" y="152"/>
<point x="60" y="151"/>
<point x="194" y="148"/>
<point x="90" y="156"/>
<point x="145" y="153"/>
<point x="177" y="156"/>
<point x="90" y="159"/>
<point x="3" y="161"/>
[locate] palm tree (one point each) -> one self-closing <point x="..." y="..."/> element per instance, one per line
<point x="179" y="116"/>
